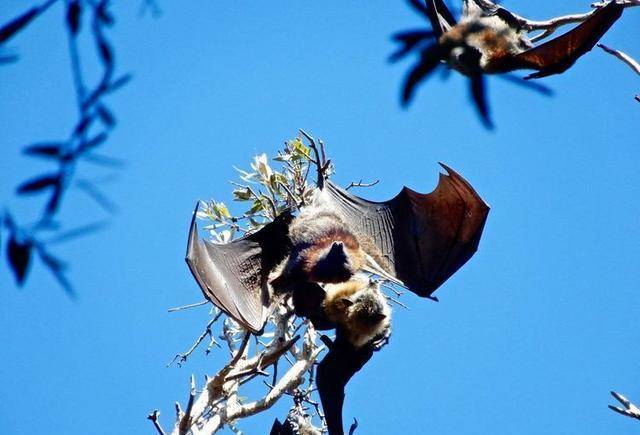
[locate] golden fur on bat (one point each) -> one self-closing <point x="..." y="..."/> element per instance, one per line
<point x="359" y="309"/>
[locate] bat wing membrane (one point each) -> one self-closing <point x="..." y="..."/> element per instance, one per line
<point x="234" y="275"/>
<point x="420" y="239"/>
<point x="559" y="54"/>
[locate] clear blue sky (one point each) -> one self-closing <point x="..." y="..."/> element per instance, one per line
<point x="529" y="336"/>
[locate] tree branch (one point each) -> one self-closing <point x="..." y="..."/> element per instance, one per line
<point x="629" y="409"/>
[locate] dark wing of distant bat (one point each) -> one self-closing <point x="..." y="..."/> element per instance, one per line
<point x="420" y="239"/>
<point x="334" y="372"/>
<point x="234" y="275"/>
<point x="440" y="17"/>
<point x="559" y="54"/>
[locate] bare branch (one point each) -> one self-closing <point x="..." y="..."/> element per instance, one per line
<point x="182" y="357"/>
<point x="185" y="421"/>
<point x="550" y="26"/>
<point x="361" y="184"/>
<point x="322" y="165"/>
<point x="629" y="409"/>
<point x="185" y="307"/>
<point x="154" y="417"/>
<point x="632" y="63"/>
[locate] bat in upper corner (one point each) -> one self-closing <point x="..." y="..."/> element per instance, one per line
<point x="416" y="240"/>
<point x="488" y="39"/>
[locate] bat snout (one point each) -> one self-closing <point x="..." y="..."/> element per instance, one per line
<point x="334" y="266"/>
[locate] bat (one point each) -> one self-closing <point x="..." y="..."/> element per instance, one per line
<point x="416" y="240"/>
<point x="489" y="39"/>
<point x="362" y="317"/>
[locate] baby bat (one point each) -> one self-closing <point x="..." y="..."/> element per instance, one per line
<point x="359" y="312"/>
<point x="417" y="240"/>
<point x="488" y="39"/>
<point x="363" y="321"/>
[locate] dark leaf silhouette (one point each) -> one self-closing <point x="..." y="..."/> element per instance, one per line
<point x="78" y="232"/>
<point x="19" y="255"/>
<point x="103" y="14"/>
<point x="10" y="29"/>
<point x="104" y="49"/>
<point x="92" y="143"/>
<point x="47" y="149"/>
<point x="429" y="60"/>
<point x="419" y="6"/>
<point x="8" y="58"/>
<point x="410" y="40"/>
<point x="57" y="267"/>
<point x="83" y="125"/>
<point x="106" y="116"/>
<point x="120" y="82"/>
<point x="55" y="199"/>
<point x="101" y="160"/>
<point x="38" y="184"/>
<point x="479" y="95"/>
<point x="95" y="193"/>
<point x="74" y="13"/>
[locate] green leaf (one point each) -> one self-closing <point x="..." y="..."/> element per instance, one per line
<point x="223" y="210"/>
<point x="243" y="194"/>
<point x="256" y="207"/>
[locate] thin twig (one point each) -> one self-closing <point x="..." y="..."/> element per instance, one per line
<point x="182" y="357"/>
<point x="629" y="409"/>
<point x="156" y="423"/>
<point x="631" y="62"/>
<point x="550" y="26"/>
<point x="395" y="301"/>
<point x="185" y="307"/>
<point x="361" y="184"/>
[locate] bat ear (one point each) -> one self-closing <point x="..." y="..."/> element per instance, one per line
<point x="379" y="317"/>
<point x="347" y="302"/>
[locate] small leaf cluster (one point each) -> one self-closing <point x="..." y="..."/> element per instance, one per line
<point x="267" y="189"/>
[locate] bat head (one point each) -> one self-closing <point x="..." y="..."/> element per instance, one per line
<point x="335" y="258"/>
<point x="324" y="248"/>
<point x="359" y="308"/>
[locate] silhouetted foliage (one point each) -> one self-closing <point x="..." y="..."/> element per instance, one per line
<point x="91" y="131"/>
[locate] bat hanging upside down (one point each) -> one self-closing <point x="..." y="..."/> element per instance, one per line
<point x="317" y="258"/>
<point x="488" y="39"/>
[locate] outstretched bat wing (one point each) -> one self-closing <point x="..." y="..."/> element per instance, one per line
<point x="234" y="275"/>
<point x="420" y="239"/>
<point x="559" y="54"/>
<point x="334" y="372"/>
